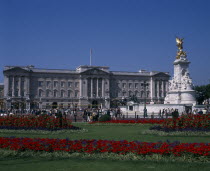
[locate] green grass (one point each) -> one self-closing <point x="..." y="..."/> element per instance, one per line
<point x="34" y="164"/>
<point x="110" y="132"/>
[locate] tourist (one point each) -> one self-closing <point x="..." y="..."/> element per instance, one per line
<point x="163" y="112"/>
<point x="159" y="114"/>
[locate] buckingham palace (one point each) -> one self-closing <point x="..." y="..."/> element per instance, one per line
<point x="29" y="87"/>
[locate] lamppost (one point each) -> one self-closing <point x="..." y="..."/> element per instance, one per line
<point x="40" y="103"/>
<point x="145" y="109"/>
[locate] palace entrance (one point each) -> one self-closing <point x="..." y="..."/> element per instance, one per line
<point x="54" y="105"/>
<point x="94" y="104"/>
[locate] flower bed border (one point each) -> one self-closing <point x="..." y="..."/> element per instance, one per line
<point x="45" y="132"/>
<point x="93" y="146"/>
<point x="105" y="156"/>
<point x="39" y="128"/>
<point x="165" y="129"/>
<point x="176" y="133"/>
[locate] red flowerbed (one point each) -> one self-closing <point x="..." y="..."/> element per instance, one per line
<point x="43" y="121"/>
<point x="102" y="146"/>
<point x="188" y="121"/>
<point x="142" y="121"/>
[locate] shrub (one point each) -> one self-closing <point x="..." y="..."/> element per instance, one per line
<point x="105" y="118"/>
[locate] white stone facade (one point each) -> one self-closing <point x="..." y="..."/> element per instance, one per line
<point x="30" y="87"/>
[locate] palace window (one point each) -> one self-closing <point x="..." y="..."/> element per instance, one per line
<point x="69" y="84"/>
<point x="47" y="93"/>
<point x="148" y="93"/>
<point x="62" y="83"/>
<point x="55" y="83"/>
<point x="124" y="93"/>
<point x="48" y="83"/>
<point x="40" y="83"/>
<point x="124" y="85"/>
<point x="62" y="93"/>
<point x="40" y="93"/>
<point x="136" y="85"/>
<point x="130" y="85"/>
<point x="69" y="93"/>
<point x="76" y="84"/>
<point x="136" y="93"/>
<point x="55" y="93"/>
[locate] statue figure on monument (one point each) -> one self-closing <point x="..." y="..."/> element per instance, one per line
<point x="179" y="42"/>
<point x="180" y="52"/>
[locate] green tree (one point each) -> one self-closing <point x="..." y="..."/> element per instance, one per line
<point x="202" y="93"/>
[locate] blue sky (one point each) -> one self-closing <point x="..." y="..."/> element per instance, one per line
<point x="126" y="35"/>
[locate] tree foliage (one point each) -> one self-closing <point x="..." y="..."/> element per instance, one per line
<point x="202" y="93"/>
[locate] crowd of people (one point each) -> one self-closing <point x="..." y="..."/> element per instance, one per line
<point x="93" y="114"/>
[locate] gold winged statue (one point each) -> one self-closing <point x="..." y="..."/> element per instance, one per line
<point x="180" y="52"/>
<point x="179" y="42"/>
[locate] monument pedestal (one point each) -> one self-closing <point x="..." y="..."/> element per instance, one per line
<point x="180" y="97"/>
<point x="181" y="87"/>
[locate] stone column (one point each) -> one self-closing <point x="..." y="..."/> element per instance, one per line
<point x="80" y="88"/>
<point x="6" y="86"/>
<point x="162" y="88"/>
<point x="152" y="89"/>
<point x="91" y="84"/>
<point x="97" y="88"/>
<point x="13" y="86"/>
<point x="157" y="88"/>
<point x="102" y="88"/>
<point x="27" y="84"/>
<point x="107" y="88"/>
<point x="85" y="88"/>
<point x="19" y="86"/>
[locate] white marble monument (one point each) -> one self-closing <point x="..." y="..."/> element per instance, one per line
<point x="180" y="87"/>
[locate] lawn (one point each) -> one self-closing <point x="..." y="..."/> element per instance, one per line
<point x="111" y="132"/>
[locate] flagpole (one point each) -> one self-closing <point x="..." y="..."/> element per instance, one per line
<point x="90" y="56"/>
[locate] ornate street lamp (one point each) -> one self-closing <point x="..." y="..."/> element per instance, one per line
<point x="145" y="109"/>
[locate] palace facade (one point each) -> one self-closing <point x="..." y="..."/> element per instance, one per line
<point x="29" y="87"/>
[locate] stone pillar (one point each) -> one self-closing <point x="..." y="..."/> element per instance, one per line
<point x="19" y="86"/>
<point x="91" y="84"/>
<point x="102" y="88"/>
<point x="85" y="88"/>
<point x="107" y="87"/>
<point x="6" y="86"/>
<point x="158" y="89"/>
<point x="80" y="88"/>
<point x="151" y="89"/>
<point x="27" y="85"/>
<point x="59" y="88"/>
<point x="162" y="88"/>
<point x="97" y="87"/>
<point x="13" y="86"/>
